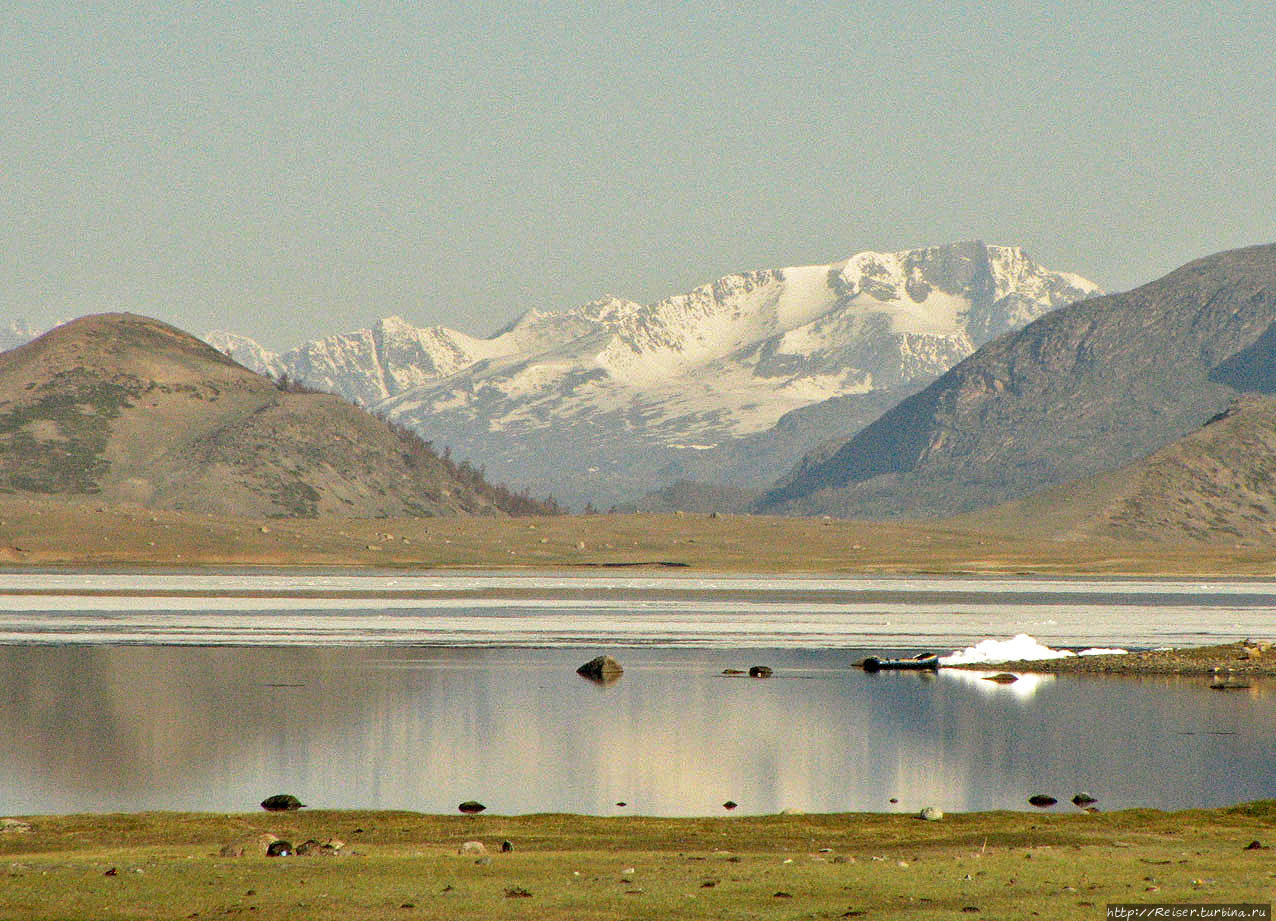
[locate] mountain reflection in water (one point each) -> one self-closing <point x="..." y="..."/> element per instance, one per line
<point x="132" y="728"/>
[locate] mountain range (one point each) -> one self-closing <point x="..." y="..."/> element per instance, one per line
<point x="730" y="383"/>
<point x="117" y="408"/>
<point x="1080" y="392"/>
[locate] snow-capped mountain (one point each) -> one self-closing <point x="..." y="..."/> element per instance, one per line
<point x="611" y="399"/>
<point x="17" y="332"/>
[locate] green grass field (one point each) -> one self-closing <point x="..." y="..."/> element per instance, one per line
<point x="401" y="865"/>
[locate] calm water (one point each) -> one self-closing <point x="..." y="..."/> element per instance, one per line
<point x="417" y="693"/>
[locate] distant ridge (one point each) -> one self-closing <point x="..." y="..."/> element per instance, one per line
<point x="1084" y="390"/>
<point x="1215" y="484"/>
<point x="126" y="409"/>
<point x="723" y="384"/>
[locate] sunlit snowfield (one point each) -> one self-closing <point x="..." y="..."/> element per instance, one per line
<point x="213" y="691"/>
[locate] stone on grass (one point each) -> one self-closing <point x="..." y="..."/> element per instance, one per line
<point x="244" y="847"/>
<point x="279" y="849"/>
<point x="472" y="848"/>
<point x="931" y="814"/>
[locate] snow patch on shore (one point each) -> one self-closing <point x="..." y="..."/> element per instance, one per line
<point x="1019" y="648"/>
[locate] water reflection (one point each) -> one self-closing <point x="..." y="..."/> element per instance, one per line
<point x="1025" y="686"/>
<point x="131" y="728"/>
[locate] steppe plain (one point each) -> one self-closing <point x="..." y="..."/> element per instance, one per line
<point x="38" y="532"/>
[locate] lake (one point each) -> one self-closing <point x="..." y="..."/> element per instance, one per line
<point x="210" y="691"/>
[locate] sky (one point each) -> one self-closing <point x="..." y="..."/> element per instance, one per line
<point x="289" y="170"/>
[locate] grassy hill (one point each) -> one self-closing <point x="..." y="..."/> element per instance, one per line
<point x="126" y="409"/>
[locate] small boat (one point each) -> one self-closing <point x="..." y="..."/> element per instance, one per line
<point x="923" y="662"/>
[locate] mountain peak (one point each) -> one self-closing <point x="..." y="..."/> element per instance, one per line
<point x="606" y="394"/>
<point x="1085" y="389"/>
<point x="131" y="410"/>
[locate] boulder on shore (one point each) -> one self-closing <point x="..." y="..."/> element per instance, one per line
<point x="247" y="847"/>
<point x="282" y="802"/>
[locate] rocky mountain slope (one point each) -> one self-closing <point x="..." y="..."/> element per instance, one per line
<point x="1084" y="390"/>
<point x="606" y="401"/>
<point x="1217" y="483"/>
<point x="127" y="409"/>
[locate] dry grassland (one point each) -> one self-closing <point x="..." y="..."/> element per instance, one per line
<point x="59" y="533"/>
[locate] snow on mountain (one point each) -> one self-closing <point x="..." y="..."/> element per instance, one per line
<point x="246" y="351"/>
<point x="599" y="402"/>
<point x="17" y="332"/>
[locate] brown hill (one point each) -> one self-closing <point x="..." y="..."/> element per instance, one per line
<point x="1086" y="389"/>
<point x="127" y="409"/>
<point x="1218" y="482"/>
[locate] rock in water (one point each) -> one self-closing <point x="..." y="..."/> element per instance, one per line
<point x="1002" y="678"/>
<point x="760" y="671"/>
<point x="282" y="802"/>
<point x="471" y="807"/>
<point x="603" y="669"/>
<point x="1041" y="800"/>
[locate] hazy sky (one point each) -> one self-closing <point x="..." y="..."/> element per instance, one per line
<point x="294" y="169"/>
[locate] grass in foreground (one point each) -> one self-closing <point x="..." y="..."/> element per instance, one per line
<point x="402" y="865"/>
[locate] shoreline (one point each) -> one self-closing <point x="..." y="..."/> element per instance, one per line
<point x="1237" y="660"/>
<point x="368" y="866"/>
